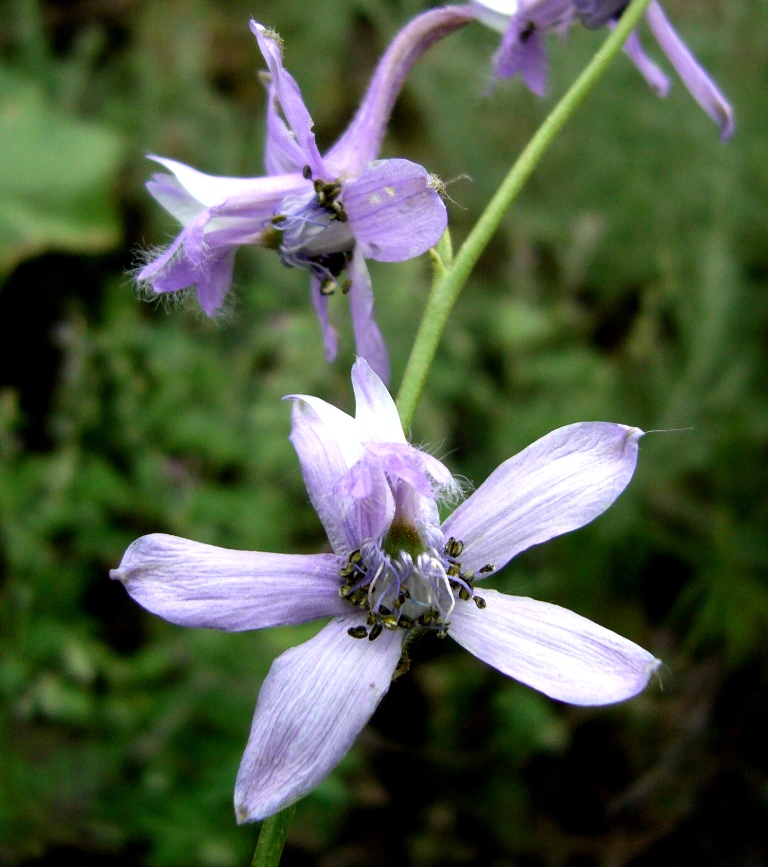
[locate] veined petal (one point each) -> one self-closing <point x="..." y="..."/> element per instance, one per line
<point x="214" y="280"/>
<point x="549" y="648"/>
<point x="699" y="84"/>
<point x="323" y="463"/>
<point x="658" y="82"/>
<point x="375" y="412"/>
<point x="290" y="98"/>
<point x="338" y="427"/>
<point x="362" y="140"/>
<point x="369" y="340"/>
<point x="314" y="702"/>
<point x="192" y="584"/>
<point x="395" y="212"/>
<point x="559" y="483"/>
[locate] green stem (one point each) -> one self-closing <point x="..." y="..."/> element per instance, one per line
<point x="274" y="830"/>
<point x="449" y="283"/>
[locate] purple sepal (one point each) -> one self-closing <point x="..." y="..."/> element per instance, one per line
<point x="523" y="52"/>
<point x="395" y="212"/>
<point x="657" y="80"/>
<point x="192" y="584"/>
<point x="369" y="341"/>
<point x="312" y="705"/>
<point x="694" y="76"/>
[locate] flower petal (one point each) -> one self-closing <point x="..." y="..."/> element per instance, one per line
<point x="633" y="48"/>
<point x="330" y="335"/>
<point x="394" y="211"/>
<point x="290" y="98"/>
<point x="192" y="584"/>
<point x="362" y="140"/>
<point x="598" y="13"/>
<point x="369" y="341"/>
<point x="375" y="412"/>
<point x="209" y="190"/>
<point x="523" y="52"/>
<point x="282" y="153"/>
<point x="559" y="483"/>
<point x="699" y="84"/>
<point x="549" y="648"/>
<point x="324" y="442"/>
<point x="314" y="702"/>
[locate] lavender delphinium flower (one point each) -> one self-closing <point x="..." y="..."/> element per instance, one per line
<point x="395" y="570"/>
<point x="325" y="214"/>
<point x="525" y="23"/>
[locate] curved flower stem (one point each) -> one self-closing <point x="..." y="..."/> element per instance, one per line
<point x="272" y="836"/>
<point x="450" y="278"/>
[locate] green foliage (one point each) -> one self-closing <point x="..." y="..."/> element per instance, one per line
<point x="627" y="284"/>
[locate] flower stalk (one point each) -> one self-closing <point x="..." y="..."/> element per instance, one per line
<point x="272" y="836"/>
<point x="448" y="284"/>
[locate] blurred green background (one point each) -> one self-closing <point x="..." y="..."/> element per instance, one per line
<point x="628" y="283"/>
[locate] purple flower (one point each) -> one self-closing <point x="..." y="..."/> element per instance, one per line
<point x="325" y="214"/>
<point x="525" y="23"/>
<point x="395" y="570"/>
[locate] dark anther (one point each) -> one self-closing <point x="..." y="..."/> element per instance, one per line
<point x="328" y="286"/>
<point x="528" y="31"/>
<point x="405" y="622"/>
<point x="318" y="185"/>
<point x="375" y="632"/>
<point x="357" y="631"/>
<point x="480" y="602"/>
<point x="463" y="593"/>
<point x="489" y="567"/>
<point x="443" y="631"/>
<point x="307" y="173"/>
<point x="469" y="577"/>
<point x="333" y="263"/>
<point x="345" y="590"/>
<point x="453" y="547"/>
<point x="278" y="219"/>
<point x="385" y="611"/>
<point x="453" y="570"/>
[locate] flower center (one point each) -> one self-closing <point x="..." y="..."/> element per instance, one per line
<point x="407" y="581"/>
<point x="313" y="233"/>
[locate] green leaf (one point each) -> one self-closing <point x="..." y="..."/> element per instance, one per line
<point x="56" y="178"/>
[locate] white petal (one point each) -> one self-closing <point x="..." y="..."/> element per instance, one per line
<point x="559" y="483"/>
<point x="192" y="584"/>
<point x="376" y="414"/>
<point x="551" y="649"/>
<point x="314" y="702"/>
<point x="212" y="190"/>
<point x="495" y="13"/>
<point x="339" y="428"/>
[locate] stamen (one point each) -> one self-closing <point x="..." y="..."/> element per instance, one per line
<point x="357" y="631"/>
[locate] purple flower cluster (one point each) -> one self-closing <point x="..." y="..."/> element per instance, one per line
<point x="396" y="570"/>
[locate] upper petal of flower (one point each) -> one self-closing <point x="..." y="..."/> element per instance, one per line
<point x="376" y="415"/>
<point x="313" y="704"/>
<point x="290" y="98"/>
<point x="559" y="483"/>
<point x="695" y="78"/>
<point x="549" y="648"/>
<point x="395" y="212"/>
<point x="362" y="140"/>
<point x="192" y="584"/>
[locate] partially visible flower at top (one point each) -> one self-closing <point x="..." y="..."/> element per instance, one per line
<point x="525" y="23"/>
<point x="325" y="214"/>
<point x="396" y="570"/>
